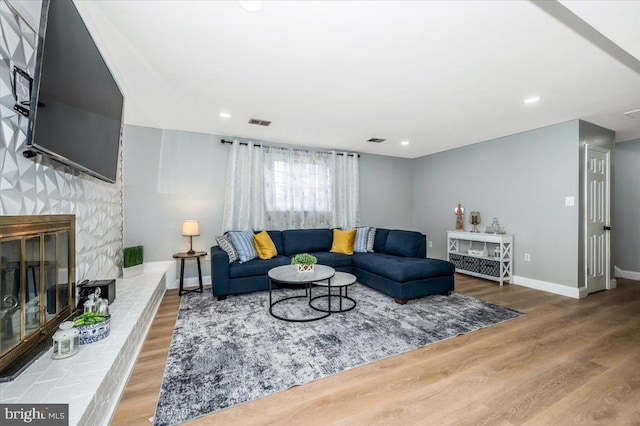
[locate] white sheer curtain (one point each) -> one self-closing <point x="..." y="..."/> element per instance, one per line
<point x="244" y="196"/>
<point x="280" y="188"/>
<point x="297" y="188"/>
<point x="346" y="191"/>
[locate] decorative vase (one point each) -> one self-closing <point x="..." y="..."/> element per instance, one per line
<point x="91" y="333"/>
<point x="132" y="261"/>
<point x="132" y="271"/>
<point x="305" y="268"/>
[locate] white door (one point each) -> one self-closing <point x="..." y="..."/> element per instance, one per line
<point x="597" y="218"/>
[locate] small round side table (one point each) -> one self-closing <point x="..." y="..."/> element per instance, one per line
<point x="342" y="280"/>
<point x="184" y="256"/>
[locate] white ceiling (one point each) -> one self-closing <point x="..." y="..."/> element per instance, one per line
<point x="440" y="74"/>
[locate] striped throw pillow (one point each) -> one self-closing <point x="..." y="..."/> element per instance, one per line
<point x="360" y="244"/>
<point x="243" y="243"/>
<point x="371" y="238"/>
<point x="225" y="244"/>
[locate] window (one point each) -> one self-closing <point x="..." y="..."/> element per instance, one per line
<point x="299" y="187"/>
<point x="298" y="190"/>
<point x="279" y="188"/>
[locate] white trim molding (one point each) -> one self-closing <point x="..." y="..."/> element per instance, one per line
<point x="173" y="278"/>
<point x="192" y="282"/>
<point x="630" y="275"/>
<point x="167" y="266"/>
<point x="562" y="290"/>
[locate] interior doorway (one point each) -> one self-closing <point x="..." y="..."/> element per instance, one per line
<point x="597" y="218"/>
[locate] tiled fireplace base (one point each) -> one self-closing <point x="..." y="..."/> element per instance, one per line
<point x="92" y="380"/>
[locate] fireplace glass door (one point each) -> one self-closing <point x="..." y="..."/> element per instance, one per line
<point x="10" y="313"/>
<point x="36" y="288"/>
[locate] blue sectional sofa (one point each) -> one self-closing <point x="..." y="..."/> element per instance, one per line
<point x="397" y="267"/>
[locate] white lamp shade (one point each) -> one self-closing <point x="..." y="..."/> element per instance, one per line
<point x="190" y="228"/>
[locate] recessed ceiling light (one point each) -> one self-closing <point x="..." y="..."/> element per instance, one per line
<point x="404" y="143"/>
<point x="225" y="115"/>
<point x="251" y="6"/>
<point x="532" y="100"/>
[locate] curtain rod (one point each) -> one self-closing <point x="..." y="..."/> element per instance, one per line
<point x="255" y="144"/>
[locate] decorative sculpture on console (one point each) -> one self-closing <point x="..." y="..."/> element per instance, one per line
<point x="459" y="211"/>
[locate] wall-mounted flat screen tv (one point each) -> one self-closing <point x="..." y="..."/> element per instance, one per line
<point x="76" y="105"/>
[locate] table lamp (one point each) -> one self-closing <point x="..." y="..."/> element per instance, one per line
<point x="190" y="228"/>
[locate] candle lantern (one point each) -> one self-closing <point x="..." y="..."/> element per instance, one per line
<point x="65" y="341"/>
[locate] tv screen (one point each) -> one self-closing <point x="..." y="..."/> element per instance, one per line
<point x="78" y="105"/>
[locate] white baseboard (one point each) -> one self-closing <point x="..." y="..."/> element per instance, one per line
<point x="630" y="275"/>
<point x="563" y="290"/>
<point x="166" y="266"/>
<point x="191" y="282"/>
<point x="173" y="278"/>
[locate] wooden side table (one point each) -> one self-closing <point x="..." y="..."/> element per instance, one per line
<point x="184" y="256"/>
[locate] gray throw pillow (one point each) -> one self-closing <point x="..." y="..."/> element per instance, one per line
<point x="371" y="238"/>
<point x="225" y="244"/>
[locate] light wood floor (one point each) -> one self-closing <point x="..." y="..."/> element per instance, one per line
<point x="566" y="361"/>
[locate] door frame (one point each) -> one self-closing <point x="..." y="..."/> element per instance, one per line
<point x="608" y="284"/>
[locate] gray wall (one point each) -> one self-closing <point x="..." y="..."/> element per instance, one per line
<point x="626" y="219"/>
<point x="522" y="180"/>
<point x="386" y="191"/>
<point x="171" y="176"/>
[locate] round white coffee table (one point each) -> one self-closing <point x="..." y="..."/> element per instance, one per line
<point x="287" y="276"/>
<point x="341" y="280"/>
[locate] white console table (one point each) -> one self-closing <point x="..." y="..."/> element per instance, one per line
<point x="496" y="265"/>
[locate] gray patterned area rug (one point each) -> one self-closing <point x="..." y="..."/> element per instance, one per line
<point x="224" y="353"/>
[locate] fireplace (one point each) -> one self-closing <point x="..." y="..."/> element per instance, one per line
<point x="37" y="289"/>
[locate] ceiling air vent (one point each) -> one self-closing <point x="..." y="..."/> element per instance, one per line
<point x="376" y="140"/>
<point x="259" y="122"/>
<point x="633" y="114"/>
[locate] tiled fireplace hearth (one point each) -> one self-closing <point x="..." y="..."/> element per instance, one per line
<point x="92" y="381"/>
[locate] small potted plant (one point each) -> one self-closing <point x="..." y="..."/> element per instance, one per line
<point x="304" y="262"/>
<point x="132" y="261"/>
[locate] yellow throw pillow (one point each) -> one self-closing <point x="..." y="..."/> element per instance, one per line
<point x="264" y="245"/>
<point x="343" y="241"/>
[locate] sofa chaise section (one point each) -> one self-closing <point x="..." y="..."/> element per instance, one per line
<point x="403" y="278"/>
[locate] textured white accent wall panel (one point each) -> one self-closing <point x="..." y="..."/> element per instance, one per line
<point x="30" y="187"/>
